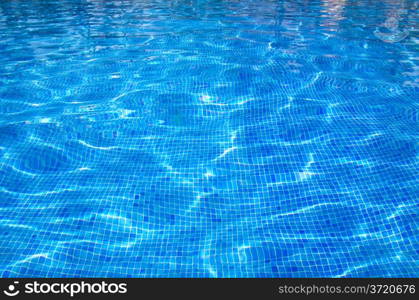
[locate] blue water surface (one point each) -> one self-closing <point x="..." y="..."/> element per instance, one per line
<point x="209" y="138"/>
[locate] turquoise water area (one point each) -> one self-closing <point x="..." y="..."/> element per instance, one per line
<point x="209" y="138"/>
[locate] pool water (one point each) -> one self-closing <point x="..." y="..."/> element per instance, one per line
<point x="209" y="138"/>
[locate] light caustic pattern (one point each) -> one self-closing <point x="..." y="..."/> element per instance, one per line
<point x="208" y="138"/>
